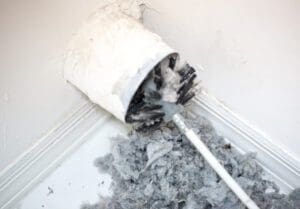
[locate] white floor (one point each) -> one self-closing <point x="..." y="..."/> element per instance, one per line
<point x="77" y="180"/>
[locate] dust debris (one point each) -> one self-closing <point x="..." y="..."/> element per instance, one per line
<point x="162" y="170"/>
<point x="50" y="191"/>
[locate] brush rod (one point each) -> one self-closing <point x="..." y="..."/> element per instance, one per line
<point x="213" y="162"/>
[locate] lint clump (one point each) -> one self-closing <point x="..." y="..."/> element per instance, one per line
<point x="162" y="170"/>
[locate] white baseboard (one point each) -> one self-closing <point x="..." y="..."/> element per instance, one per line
<point x="281" y="166"/>
<point x="38" y="161"/>
<point x="34" y="165"/>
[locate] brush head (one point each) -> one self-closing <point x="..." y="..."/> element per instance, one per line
<point x="163" y="93"/>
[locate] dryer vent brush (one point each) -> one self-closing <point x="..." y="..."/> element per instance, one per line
<point x="133" y="74"/>
<point x="161" y="95"/>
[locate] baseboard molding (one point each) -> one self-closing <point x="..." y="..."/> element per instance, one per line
<point x="34" y="165"/>
<point x="281" y="166"/>
<point x="38" y="161"/>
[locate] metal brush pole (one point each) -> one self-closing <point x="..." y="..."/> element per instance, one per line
<point x="213" y="162"/>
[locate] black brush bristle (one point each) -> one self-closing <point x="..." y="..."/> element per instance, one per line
<point x="152" y="95"/>
<point x="158" y="79"/>
<point x="187" y="73"/>
<point x="151" y="107"/>
<point x="172" y="63"/>
<point x="187" y="98"/>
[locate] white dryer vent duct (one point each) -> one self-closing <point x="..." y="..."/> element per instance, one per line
<point x="110" y="56"/>
<point x="133" y="74"/>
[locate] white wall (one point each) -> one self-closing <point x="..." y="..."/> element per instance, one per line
<point x="250" y="53"/>
<point x="249" y="49"/>
<point x="33" y="94"/>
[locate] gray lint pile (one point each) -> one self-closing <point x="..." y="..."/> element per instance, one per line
<point x="162" y="170"/>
